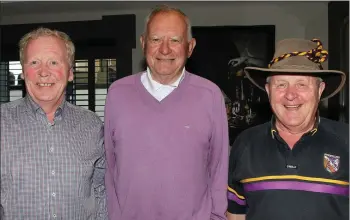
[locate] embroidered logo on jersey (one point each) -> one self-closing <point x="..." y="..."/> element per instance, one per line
<point x="331" y="163"/>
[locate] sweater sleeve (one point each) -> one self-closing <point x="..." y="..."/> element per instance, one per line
<point x="218" y="166"/>
<point x="112" y="199"/>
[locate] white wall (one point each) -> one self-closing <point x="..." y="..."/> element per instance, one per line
<point x="292" y="19"/>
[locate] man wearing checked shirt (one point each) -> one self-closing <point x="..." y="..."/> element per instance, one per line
<point x="296" y="166"/>
<point x="52" y="154"/>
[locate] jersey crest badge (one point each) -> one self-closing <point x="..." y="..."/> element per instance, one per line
<point x="331" y="163"/>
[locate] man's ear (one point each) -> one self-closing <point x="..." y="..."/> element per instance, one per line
<point x="143" y="42"/>
<point x="191" y="46"/>
<point x="71" y="75"/>
<point x="321" y="88"/>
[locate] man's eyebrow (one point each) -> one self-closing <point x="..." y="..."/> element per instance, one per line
<point x="280" y="80"/>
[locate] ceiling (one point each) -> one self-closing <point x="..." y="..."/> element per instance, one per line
<point x="13" y="8"/>
<point x="30" y="7"/>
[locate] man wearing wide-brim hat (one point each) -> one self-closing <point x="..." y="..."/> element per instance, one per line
<point x="297" y="165"/>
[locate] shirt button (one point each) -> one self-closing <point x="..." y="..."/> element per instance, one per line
<point x="54" y="215"/>
<point x="53" y="194"/>
<point x="51" y="149"/>
<point x="53" y="172"/>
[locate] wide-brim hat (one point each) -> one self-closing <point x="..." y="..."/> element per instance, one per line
<point x="299" y="57"/>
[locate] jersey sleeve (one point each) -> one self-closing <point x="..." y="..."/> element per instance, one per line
<point x="235" y="192"/>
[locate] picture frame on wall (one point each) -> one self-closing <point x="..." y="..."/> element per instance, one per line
<point x="220" y="55"/>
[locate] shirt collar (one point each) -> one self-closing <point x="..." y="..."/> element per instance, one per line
<point x="34" y="107"/>
<point x="156" y="85"/>
<point x="273" y="130"/>
<point x="31" y="105"/>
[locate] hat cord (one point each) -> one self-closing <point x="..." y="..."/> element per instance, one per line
<point x="316" y="55"/>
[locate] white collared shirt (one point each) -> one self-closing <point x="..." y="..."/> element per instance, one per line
<point x="156" y="89"/>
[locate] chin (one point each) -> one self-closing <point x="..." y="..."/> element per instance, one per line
<point x="293" y="121"/>
<point x="164" y="71"/>
<point x="46" y="98"/>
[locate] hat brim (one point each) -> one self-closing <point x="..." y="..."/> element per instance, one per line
<point x="333" y="79"/>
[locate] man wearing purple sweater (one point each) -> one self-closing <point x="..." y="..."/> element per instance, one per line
<point x="166" y="134"/>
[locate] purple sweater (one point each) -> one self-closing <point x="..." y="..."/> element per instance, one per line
<point x="166" y="160"/>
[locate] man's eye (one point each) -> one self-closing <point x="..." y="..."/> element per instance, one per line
<point x="155" y="40"/>
<point x="281" y="86"/>
<point x="53" y="62"/>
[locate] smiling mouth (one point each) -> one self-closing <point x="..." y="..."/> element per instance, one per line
<point x="45" y="84"/>
<point x="165" y="60"/>
<point x="292" y="107"/>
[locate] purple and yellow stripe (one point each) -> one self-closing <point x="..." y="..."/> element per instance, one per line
<point x="295" y="182"/>
<point x="234" y="196"/>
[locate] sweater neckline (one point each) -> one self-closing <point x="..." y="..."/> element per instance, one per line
<point x="173" y="98"/>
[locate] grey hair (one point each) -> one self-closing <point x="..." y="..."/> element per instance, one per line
<point x="41" y="32"/>
<point x="166" y="9"/>
<point x="319" y="80"/>
<point x="268" y="79"/>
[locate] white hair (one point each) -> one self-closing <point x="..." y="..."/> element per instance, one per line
<point x="164" y="9"/>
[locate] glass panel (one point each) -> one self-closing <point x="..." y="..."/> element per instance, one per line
<point x="15" y="72"/>
<point x="15" y="81"/>
<point x="4" y="87"/>
<point x="77" y="91"/>
<point x="105" y="75"/>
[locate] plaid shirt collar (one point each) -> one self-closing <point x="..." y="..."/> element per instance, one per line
<point x="32" y="107"/>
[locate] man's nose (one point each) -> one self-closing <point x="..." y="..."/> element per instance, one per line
<point x="164" y="47"/>
<point x="291" y="93"/>
<point x="44" y="71"/>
